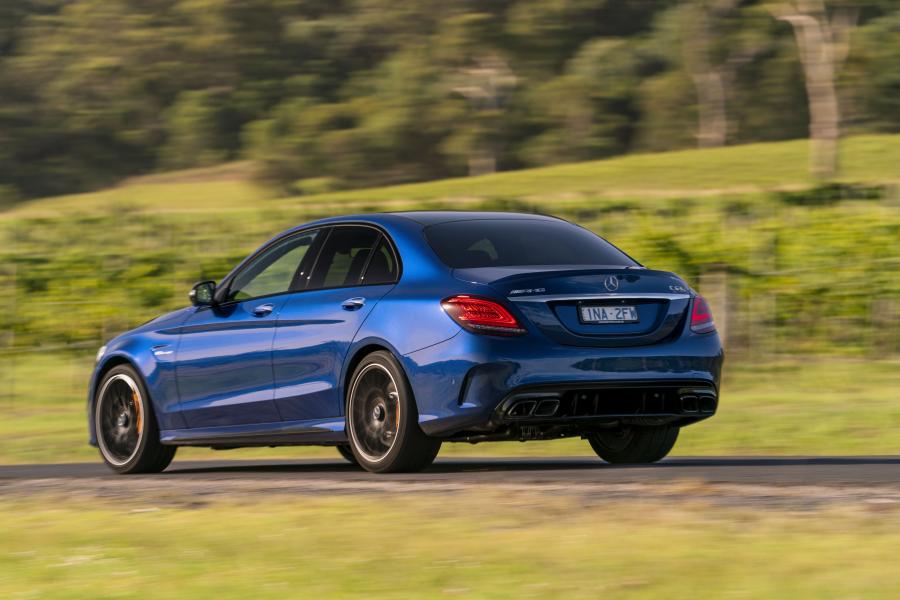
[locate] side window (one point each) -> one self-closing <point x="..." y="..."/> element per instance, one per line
<point x="343" y="257"/>
<point x="273" y="271"/>
<point x="382" y="266"/>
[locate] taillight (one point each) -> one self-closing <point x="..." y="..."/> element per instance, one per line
<point x="480" y="315"/>
<point x="701" y="317"/>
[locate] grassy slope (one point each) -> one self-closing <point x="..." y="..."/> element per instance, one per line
<point x="740" y="169"/>
<point x="386" y="546"/>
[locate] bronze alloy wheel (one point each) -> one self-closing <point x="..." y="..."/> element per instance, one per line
<point x="374" y="412"/>
<point x="120" y="419"/>
<point x="383" y="420"/>
<point x="125" y="425"/>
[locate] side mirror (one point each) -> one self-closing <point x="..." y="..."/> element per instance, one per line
<point x="203" y="293"/>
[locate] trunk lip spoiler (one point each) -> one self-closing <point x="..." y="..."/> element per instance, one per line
<point x="611" y="296"/>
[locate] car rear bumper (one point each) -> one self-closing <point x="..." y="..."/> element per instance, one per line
<point x="472" y="385"/>
<point x="580" y="402"/>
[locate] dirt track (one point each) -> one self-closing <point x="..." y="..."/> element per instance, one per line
<point x="759" y="481"/>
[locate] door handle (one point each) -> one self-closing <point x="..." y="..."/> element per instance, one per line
<point x="263" y="309"/>
<point x="353" y="303"/>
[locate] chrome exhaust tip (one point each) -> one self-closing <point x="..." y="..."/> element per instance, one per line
<point x="690" y="404"/>
<point x="546" y="408"/>
<point x="522" y="409"/>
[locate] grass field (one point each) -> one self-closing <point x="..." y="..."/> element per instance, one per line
<point x="714" y="172"/>
<point x="800" y="407"/>
<point x="486" y="545"/>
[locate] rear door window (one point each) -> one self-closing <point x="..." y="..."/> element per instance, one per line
<point x="383" y="267"/>
<point x="343" y="258"/>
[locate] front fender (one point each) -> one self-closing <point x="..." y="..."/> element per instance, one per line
<point x="154" y="362"/>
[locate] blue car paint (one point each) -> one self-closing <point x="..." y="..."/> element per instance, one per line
<point x="282" y="377"/>
<point x="314" y="334"/>
<point x="224" y="365"/>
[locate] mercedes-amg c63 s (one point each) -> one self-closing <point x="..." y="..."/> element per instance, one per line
<point x="387" y="335"/>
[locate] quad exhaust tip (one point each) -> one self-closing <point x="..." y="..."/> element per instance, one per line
<point x="704" y="403"/>
<point x="690" y="404"/>
<point x="522" y="409"/>
<point x="545" y="407"/>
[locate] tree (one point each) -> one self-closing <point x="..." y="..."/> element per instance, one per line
<point x="486" y="85"/>
<point x="469" y="49"/>
<point x="326" y="94"/>
<point x="714" y="49"/>
<point x="823" y="42"/>
<point x="589" y="111"/>
<point x="874" y="75"/>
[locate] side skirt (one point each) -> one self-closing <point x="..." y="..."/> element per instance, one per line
<point x="289" y="433"/>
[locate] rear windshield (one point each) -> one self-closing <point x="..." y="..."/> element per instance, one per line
<point x="520" y="243"/>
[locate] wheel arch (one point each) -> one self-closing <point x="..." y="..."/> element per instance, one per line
<point x="360" y="350"/>
<point x="105" y="366"/>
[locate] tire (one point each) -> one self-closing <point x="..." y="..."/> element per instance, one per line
<point x="345" y="451"/>
<point x="382" y="420"/>
<point x="634" y="445"/>
<point x="126" y="428"/>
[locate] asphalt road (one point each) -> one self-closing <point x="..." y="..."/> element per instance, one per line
<point x="856" y="471"/>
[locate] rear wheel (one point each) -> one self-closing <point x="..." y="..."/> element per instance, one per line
<point x="126" y="429"/>
<point x="634" y="445"/>
<point x="382" y="420"/>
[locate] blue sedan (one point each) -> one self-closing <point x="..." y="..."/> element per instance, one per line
<point x="387" y="335"/>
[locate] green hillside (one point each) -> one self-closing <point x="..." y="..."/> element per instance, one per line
<point x="803" y="262"/>
<point x="704" y="173"/>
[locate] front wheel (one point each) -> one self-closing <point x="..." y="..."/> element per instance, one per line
<point x="382" y="420"/>
<point x="125" y="426"/>
<point x="634" y="445"/>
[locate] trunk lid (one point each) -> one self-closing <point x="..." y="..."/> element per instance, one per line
<point x="551" y="298"/>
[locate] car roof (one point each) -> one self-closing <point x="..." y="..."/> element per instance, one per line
<point x="423" y="218"/>
<point x="433" y="217"/>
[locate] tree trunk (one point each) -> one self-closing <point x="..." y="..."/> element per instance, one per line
<point x="482" y="162"/>
<point x="486" y="87"/>
<point x="818" y="71"/>
<point x="712" y="126"/>
<point x="822" y="45"/>
<point x="710" y="81"/>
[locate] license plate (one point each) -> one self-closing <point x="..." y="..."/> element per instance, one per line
<point x="608" y="314"/>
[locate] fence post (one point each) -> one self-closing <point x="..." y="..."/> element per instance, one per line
<point x="714" y="287"/>
<point x="10" y="360"/>
<point x="883" y="325"/>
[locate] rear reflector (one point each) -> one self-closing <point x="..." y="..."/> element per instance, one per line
<point x="701" y="317"/>
<point x="480" y="315"/>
